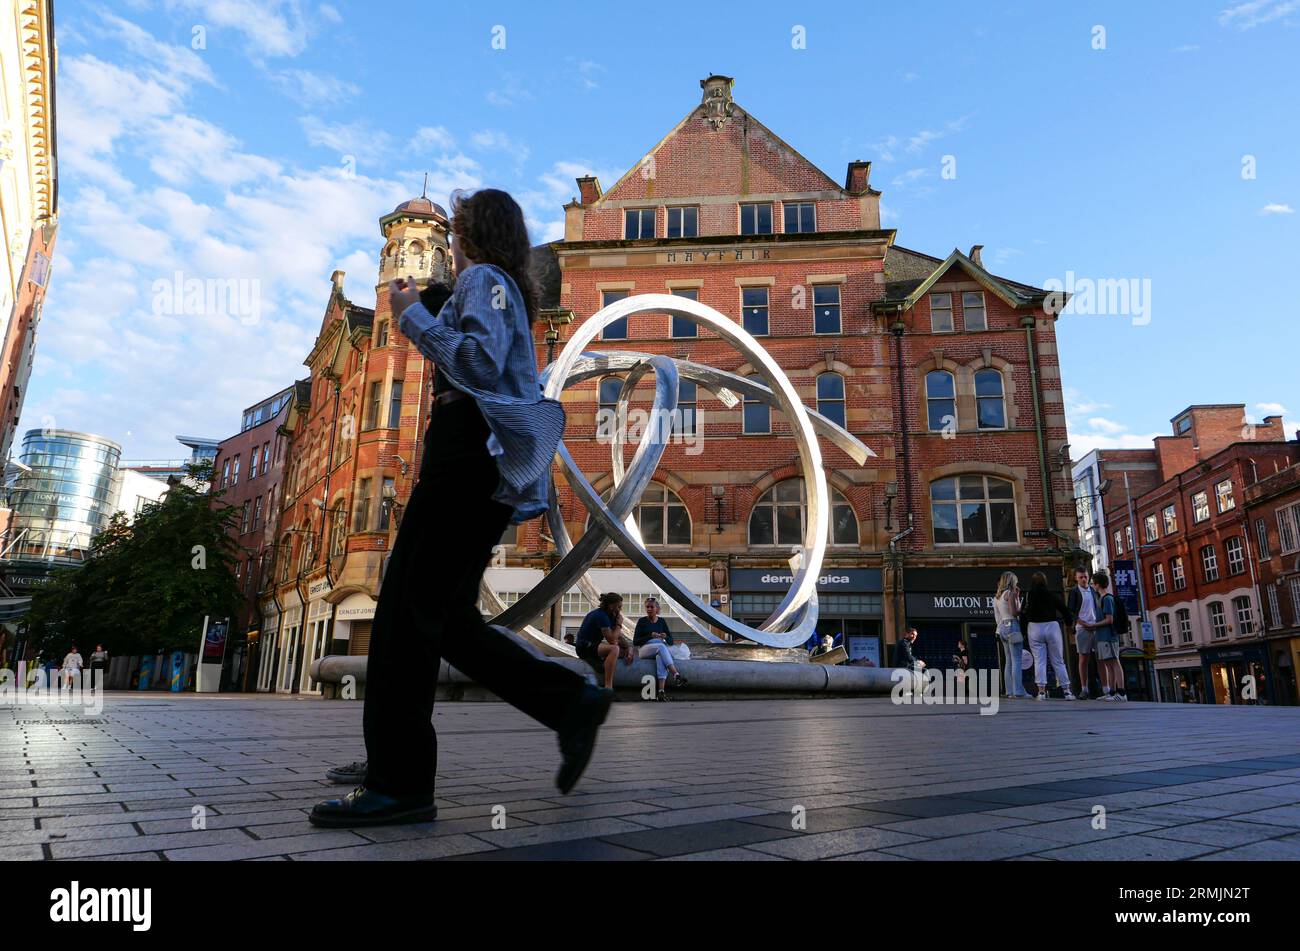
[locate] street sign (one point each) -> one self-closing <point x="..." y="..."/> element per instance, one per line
<point x="1037" y="533"/>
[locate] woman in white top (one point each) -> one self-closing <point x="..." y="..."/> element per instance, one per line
<point x="1006" y="612"/>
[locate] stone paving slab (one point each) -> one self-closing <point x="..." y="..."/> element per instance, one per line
<point x="842" y="780"/>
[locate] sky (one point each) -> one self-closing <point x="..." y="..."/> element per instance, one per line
<point x="247" y="148"/>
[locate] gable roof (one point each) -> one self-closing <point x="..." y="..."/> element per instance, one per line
<point x="910" y="274"/>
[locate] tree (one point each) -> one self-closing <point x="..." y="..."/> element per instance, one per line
<point x="146" y="585"/>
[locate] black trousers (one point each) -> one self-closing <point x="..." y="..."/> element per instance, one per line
<point x="428" y="611"/>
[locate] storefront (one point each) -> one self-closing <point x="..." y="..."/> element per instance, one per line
<point x="1137" y="675"/>
<point x="261" y="651"/>
<point x="947" y="605"/>
<point x="1181" y="679"/>
<point x="286" y="660"/>
<point x="316" y="636"/>
<point x="1238" y="675"/>
<point x="850" y="606"/>
<point x="1285" y="653"/>
<point x="353" y="617"/>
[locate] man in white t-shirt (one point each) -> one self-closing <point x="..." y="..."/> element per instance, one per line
<point x="72" y="664"/>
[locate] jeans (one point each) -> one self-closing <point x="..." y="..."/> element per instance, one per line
<point x="428" y="611"/>
<point x="1045" y="644"/>
<point x="658" y="649"/>
<point x="1011" y="675"/>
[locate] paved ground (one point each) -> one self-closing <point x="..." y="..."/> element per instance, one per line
<point x="719" y="780"/>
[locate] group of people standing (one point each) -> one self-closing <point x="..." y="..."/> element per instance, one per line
<point x="1041" y="617"/>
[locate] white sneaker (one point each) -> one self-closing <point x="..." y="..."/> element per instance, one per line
<point x="1069" y="696"/>
<point x="1120" y="698"/>
<point x="1106" y="698"/>
<point x="1041" y="696"/>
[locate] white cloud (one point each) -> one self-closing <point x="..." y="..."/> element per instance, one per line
<point x="1271" y="409"/>
<point x="587" y="71"/>
<point x="268" y="27"/>
<point x="356" y="139"/>
<point x="1253" y="13"/>
<point x="1277" y="209"/>
<point x="512" y="91"/>
<point x="311" y="90"/>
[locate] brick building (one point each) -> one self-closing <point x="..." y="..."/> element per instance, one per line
<point x="248" y="475"/>
<point x="946" y="371"/>
<point x="1273" y="511"/>
<point x="1197" y="556"/>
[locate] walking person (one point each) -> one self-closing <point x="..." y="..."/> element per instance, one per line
<point x="1083" y="605"/>
<point x="651" y="639"/>
<point x="487" y="460"/>
<point x="600" y="641"/>
<point x="1043" y="614"/>
<point x="1006" y="613"/>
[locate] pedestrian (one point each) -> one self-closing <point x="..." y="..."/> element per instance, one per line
<point x="961" y="657"/>
<point x="98" y="664"/>
<point x="487" y="460"/>
<point x="1083" y="605"/>
<point x="72" y="664"/>
<point x="652" y="639"/>
<point x="600" y="641"/>
<point x="1042" y="615"/>
<point x="1107" y="644"/>
<point x="1006" y="613"/>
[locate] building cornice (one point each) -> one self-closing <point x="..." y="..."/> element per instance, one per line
<point x="38" y="56"/>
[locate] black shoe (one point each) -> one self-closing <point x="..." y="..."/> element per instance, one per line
<point x="578" y="737"/>
<point x="363" y="807"/>
<point x="662" y="695"/>
<point x="353" y="773"/>
<point x="680" y="681"/>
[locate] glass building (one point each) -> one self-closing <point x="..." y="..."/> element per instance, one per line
<point x="65" y="499"/>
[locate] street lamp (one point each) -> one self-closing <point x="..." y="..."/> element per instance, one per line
<point x="719" y="492"/>
<point x="391" y="506"/>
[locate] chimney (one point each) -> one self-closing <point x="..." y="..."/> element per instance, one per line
<point x="589" y="189"/>
<point x="974" y="255"/>
<point x="858" y="178"/>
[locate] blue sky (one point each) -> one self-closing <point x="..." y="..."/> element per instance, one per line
<point x="258" y="142"/>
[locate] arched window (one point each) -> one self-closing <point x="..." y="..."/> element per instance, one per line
<point x="830" y="396"/>
<point x="780" y="516"/>
<point x="757" y="416"/>
<point x="286" y="556"/>
<point x="989" y="400"/>
<point x="661" y="516"/>
<point x="973" y="510"/>
<point x="339" y="530"/>
<point x="308" y="547"/>
<point x="940" y="401"/>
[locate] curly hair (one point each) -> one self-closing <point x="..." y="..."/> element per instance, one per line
<point x="489" y="225"/>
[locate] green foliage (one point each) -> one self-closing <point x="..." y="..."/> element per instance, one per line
<point x="140" y="591"/>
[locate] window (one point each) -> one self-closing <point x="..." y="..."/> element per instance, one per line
<point x="257" y="513"/>
<point x="826" y="308"/>
<point x="266" y="458"/>
<point x="381" y="335"/>
<point x="618" y="329"/>
<point x="372" y="405"/>
<point x="756" y="219"/>
<point x="1166" y="630"/>
<point x="1200" y="507"/>
<point x="687" y="395"/>
<point x="639" y="223"/>
<point x="941" y="313"/>
<point x="1128" y="536"/>
<point x="1183" y="425"/>
<point x="252" y="464"/>
<point x="1294" y="587"/>
<point x="753" y="310"/>
<point x="683" y="222"/>
<point x="1185" y="626"/>
<point x="1261" y="534"/>
<point x="1158" y="578"/>
<point x="385" y="505"/>
<point x="780" y="517"/>
<point x="973" y="510"/>
<point x="661" y="516"/>
<point x="234" y="472"/>
<point x="243" y="518"/>
<point x="1210" y="563"/>
<point x="940" y="401"/>
<point x="607" y="400"/>
<point x="1151" y="527"/>
<point x="1288" y="529"/>
<point x="1241" y="607"/>
<point x="361" y="522"/>
<point x="1171" y="519"/>
<point x="988" y="400"/>
<point x="800" y="217"/>
<point x="1223" y="496"/>
<point x="680" y="326"/>
<point x="1236" y="556"/>
<point x="1274" y="611"/>
<point x="830" y="396"/>
<point x="973" y="313"/>
<point x="1177" y="574"/>
<point x="757" y="416"/>
<point x="1119" y="542"/>
<point x="1218" y="621"/>
<point x="338" y="530"/>
<point x="395" y="405"/>
<point x="225" y="473"/>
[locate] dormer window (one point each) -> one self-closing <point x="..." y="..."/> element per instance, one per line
<point x="756" y="219"/>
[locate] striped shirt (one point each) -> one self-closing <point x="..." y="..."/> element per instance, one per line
<point x="482" y="343"/>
